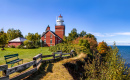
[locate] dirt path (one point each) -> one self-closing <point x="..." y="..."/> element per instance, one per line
<point x="59" y="72"/>
<point x="56" y="71"/>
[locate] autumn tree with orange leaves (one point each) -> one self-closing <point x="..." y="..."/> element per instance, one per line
<point x="102" y="47"/>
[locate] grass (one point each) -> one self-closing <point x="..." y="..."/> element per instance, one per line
<point x="25" y="54"/>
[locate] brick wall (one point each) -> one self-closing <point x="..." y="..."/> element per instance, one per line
<point x="14" y="43"/>
<point x="60" y="31"/>
<point x="48" y="38"/>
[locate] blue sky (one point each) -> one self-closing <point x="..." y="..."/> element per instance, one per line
<point x="108" y="20"/>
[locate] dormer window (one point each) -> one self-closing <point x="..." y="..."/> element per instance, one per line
<point x="44" y="36"/>
<point x="51" y="36"/>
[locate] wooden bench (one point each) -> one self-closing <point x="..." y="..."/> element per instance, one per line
<point x="12" y="61"/>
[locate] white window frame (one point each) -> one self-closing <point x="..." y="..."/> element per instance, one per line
<point x="44" y="36"/>
<point x="51" y="36"/>
<point x="50" y="41"/>
<point x="58" y="41"/>
<point x="44" y="41"/>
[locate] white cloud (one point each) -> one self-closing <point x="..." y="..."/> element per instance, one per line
<point x="110" y="34"/>
<point x="123" y="33"/>
<point x="103" y="34"/>
<point x="98" y="34"/>
<point x="119" y="38"/>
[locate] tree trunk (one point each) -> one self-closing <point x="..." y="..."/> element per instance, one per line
<point x="3" y="47"/>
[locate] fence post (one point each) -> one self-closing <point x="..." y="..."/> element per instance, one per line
<point x="72" y="53"/>
<point x="61" y="55"/>
<point x="35" y="65"/>
<point x="53" y="56"/>
<point x="4" y="68"/>
<point x="35" y="59"/>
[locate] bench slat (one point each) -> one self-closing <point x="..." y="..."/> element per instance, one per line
<point x="10" y="56"/>
<point x="14" y="61"/>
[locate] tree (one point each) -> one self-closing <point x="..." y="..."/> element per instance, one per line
<point x="73" y="35"/>
<point x="35" y="38"/>
<point x="84" y="42"/>
<point x="12" y="34"/>
<point x="30" y="37"/>
<point x="28" y="44"/>
<point x="102" y="47"/>
<point x="64" y="39"/>
<point x="83" y="33"/>
<point x="3" y="38"/>
<point x="90" y="36"/>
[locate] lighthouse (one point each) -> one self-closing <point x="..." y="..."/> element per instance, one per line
<point x="60" y="27"/>
<point x="59" y="21"/>
<point x="51" y="38"/>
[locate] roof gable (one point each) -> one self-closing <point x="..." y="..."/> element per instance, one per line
<point x="51" y="32"/>
<point x="19" y="39"/>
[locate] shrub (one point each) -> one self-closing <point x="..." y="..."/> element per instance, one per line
<point x="12" y="46"/>
<point x="20" y="47"/>
<point x="92" y="41"/>
<point x="112" y="69"/>
<point x="28" y="44"/>
<point x="84" y="43"/>
<point x="6" y="45"/>
<point x="66" y="48"/>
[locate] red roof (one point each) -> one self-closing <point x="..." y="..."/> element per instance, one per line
<point x="60" y="15"/>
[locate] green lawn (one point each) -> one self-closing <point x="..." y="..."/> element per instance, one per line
<point x="25" y="54"/>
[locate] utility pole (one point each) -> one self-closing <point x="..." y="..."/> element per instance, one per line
<point x="41" y="44"/>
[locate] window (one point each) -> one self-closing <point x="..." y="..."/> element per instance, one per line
<point x="58" y="41"/>
<point x="50" y="45"/>
<point x="51" y="36"/>
<point x="44" y="36"/>
<point x="44" y="41"/>
<point x="50" y="41"/>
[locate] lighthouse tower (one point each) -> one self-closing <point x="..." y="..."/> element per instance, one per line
<point x="60" y="27"/>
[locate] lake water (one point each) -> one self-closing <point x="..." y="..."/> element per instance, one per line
<point x="125" y="53"/>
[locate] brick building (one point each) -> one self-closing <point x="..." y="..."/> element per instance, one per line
<point x="51" y="38"/>
<point x="16" y="42"/>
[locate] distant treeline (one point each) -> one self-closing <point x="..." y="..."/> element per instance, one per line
<point x="14" y="33"/>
